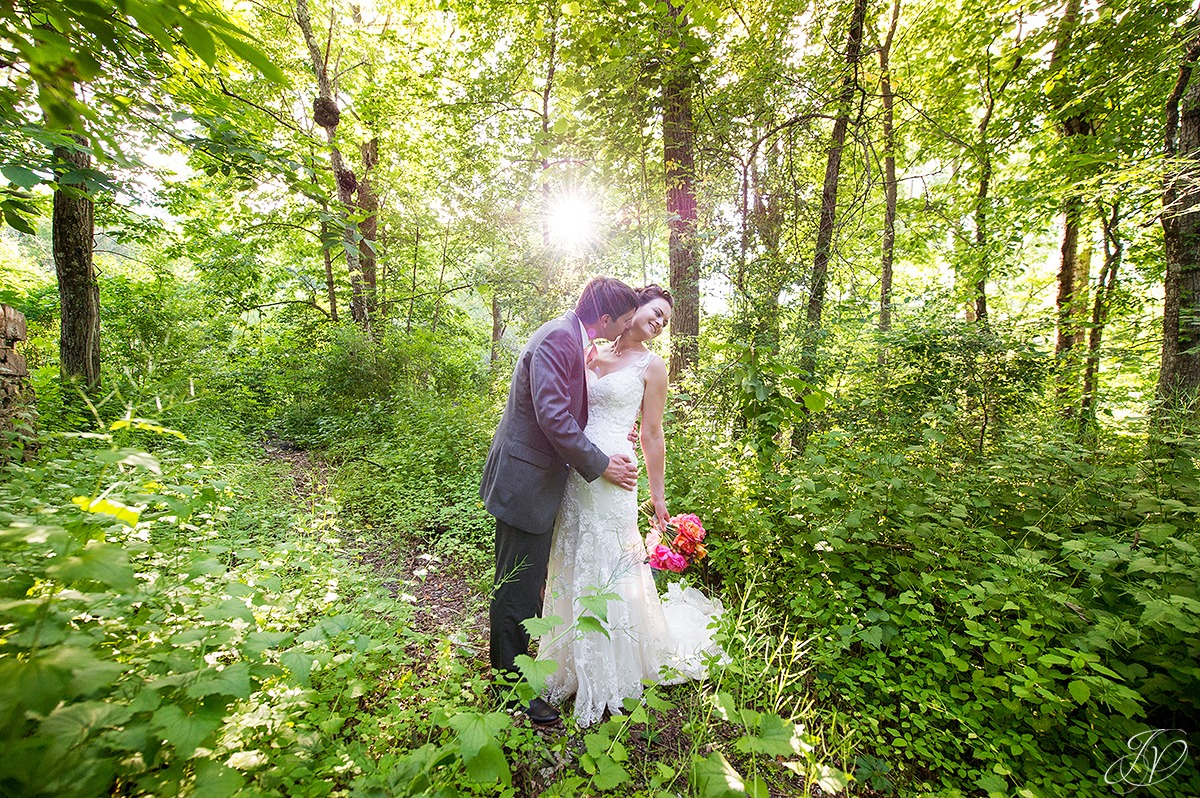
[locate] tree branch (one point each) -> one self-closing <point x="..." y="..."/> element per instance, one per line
<point x="305" y="302"/>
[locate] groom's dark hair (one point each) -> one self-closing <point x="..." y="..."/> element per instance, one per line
<point x="605" y="295"/>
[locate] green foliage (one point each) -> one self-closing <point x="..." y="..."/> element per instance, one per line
<point x="1018" y="620"/>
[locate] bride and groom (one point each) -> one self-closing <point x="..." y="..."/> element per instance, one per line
<point x="561" y="481"/>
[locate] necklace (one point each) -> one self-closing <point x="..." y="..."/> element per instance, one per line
<point x="618" y="349"/>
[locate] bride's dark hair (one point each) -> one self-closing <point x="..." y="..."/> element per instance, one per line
<point x="648" y="293"/>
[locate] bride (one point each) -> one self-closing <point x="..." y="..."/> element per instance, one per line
<point x="598" y="564"/>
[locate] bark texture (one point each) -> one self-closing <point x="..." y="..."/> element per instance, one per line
<point x="1179" y="377"/>
<point x="78" y="290"/>
<point x="680" y="172"/>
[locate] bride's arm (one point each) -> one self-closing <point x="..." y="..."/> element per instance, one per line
<point x="654" y="447"/>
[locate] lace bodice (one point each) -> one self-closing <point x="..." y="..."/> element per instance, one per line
<point x="613" y="404"/>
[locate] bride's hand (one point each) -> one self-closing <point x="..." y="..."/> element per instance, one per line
<point x="661" y="516"/>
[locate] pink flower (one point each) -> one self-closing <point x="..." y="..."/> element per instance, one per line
<point x="653" y="537"/>
<point x="675" y="561"/>
<point x="677" y="546"/>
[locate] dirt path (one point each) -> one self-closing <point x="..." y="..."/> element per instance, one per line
<point x="446" y="603"/>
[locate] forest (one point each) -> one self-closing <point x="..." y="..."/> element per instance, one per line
<point x="266" y="266"/>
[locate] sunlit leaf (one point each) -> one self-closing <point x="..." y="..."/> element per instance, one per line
<point x="475" y="730"/>
<point x="535" y="671"/>
<point x="714" y="777"/>
<point x="587" y="623"/>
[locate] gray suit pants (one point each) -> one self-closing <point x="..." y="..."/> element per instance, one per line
<point x="521" y="563"/>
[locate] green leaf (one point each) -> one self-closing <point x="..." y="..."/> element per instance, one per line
<point x="1079" y="691"/>
<point x="205" y="568"/>
<point x="609" y="773"/>
<point x="299" y="663"/>
<point x="131" y="457"/>
<point x="182" y="730"/>
<point x="757" y="788"/>
<point x="214" y="780"/>
<point x="198" y="39"/>
<point x="36" y="684"/>
<point x="597" y="603"/>
<point x="726" y="708"/>
<point x="872" y="636"/>
<point x="536" y="627"/>
<point x="71" y="725"/>
<point x="714" y="777"/>
<point x="535" y="671"/>
<point x="105" y="563"/>
<point x="476" y="730"/>
<point x="992" y="784"/>
<point x="252" y="55"/>
<point x="232" y="680"/>
<point x="258" y="642"/>
<point x="148" y="426"/>
<point x="20" y="176"/>
<point x="488" y="766"/>
<point x="586" y="623"/>
<point x="776" y="737"/>
<point x="14" y="219"/>
<point x="570" y="9"/>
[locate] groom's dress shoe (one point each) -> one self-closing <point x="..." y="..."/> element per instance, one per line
<point x="541" y="712"/>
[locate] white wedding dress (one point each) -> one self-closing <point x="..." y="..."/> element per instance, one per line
<point x="598" y="568"/>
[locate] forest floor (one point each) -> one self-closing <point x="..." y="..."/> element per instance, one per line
<point x="447" y="605"/>
<point x="450" y="602"/>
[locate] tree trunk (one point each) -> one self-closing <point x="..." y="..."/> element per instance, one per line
<point x="368" y="228"/>
<point x="547" y="93"/>
<point x="679" y="169"/>
<point x="497" y="327"/>
<point x="1114" y="249"/>
<point x="327" y="115"/>
<point x="330" y="285"/>
<point x="889" y="178"/>
<point x="78" y="289"/>
<point x="982" y="243"/>
<point x="1070" y="128"/>
<point x="833" y="167"/>
<point x="437" y="298"/>
<point x="412" y="296"/>
<point x="1179" y="377"/>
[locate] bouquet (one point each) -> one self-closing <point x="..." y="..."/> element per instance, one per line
<point x="677" y="546"/>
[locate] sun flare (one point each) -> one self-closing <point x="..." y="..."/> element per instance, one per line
<point x="572" y="221"/>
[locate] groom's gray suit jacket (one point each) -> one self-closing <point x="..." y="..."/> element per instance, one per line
<point x="540" y="436"/>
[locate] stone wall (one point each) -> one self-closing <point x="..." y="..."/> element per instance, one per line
<point x="16" y="396"/>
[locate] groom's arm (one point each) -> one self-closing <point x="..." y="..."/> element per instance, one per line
<point x="550" y="367"/>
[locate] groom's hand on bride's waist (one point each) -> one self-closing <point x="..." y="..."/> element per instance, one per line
<point x="621" y="472"/>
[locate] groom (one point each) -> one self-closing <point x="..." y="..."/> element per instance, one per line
<point x="540" y="438"/>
